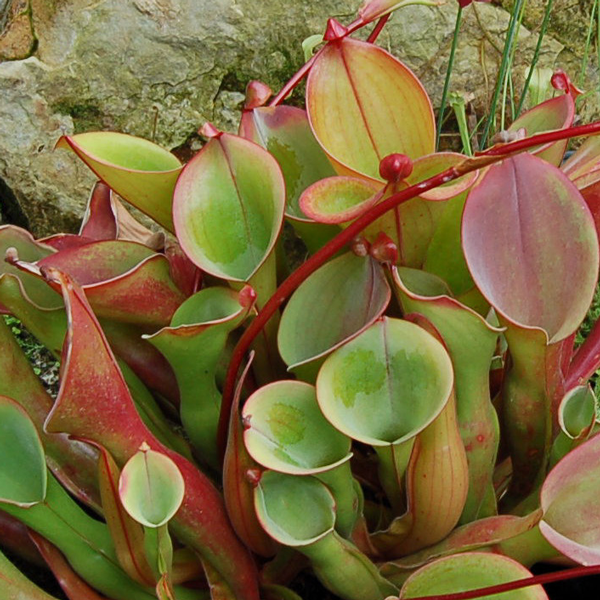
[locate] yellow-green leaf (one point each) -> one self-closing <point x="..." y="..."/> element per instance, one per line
<point x="364" y="104"/>
<point x="138" y="170"/>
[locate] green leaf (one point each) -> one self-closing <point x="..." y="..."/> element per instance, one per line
<point x="72" y="584"/>
<point x="210" y="306"/>
<point x="387" y="384"/>
<point x="23" y="476"/>
<point x="228" y="207"/>
<point x="139" y="171"/>
<point x="38" y="292"/>
<point x="577" y="412"/>
<point x="94" y="402"/>
<point x="285" y="132"/>
<point x="286" y="431"/>
<point x="420" y="283"/>
<point x="13" y="584"/>
<point x="339" y="199"/>
<point x="83" y="540"/>
<point x="282" y="503"/>
<point x="364" y="104"/>
<point x="309" y="45"/>
<point x="198" y="336"/>
<point x="531" y="381"/>
<point x="151" y="487"/>
<point x="445" y="257"/>
<point x="344" y="296"/>
<point x="470" y="571"/>
<point x="471" y="344"/>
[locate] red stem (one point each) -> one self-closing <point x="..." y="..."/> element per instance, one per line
<point x="289" y="87"/>
<point x="515" y="585"/>
<point x="284" y="291"/>
<point x="586" y="360"/>
<point x="377" y="29"/>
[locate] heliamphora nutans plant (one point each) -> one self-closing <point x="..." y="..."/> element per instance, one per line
<point x="402" y="414"/>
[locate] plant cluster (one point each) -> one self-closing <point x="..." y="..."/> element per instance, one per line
<point x="404" y="414"/>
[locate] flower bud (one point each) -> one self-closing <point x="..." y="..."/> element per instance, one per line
<point x="561" y="81"/>
<point x="395" y="167"/>
<point x="384" y="249"/>
<point x="247" y="296"/>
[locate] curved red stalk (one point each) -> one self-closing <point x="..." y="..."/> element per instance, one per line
<point x="289" y="87"/>
<point x="284" y="291"/>
<point x="518" y="584"/>
<point x="377" y="29"/>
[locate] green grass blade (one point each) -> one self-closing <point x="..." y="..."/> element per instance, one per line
<point x="536" y="56"/>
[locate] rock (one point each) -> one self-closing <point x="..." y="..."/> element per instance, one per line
<point x="16" y="32"/>
<point x="161" y="68"/>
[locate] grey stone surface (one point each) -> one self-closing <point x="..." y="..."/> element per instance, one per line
<point x="163" y="67"/>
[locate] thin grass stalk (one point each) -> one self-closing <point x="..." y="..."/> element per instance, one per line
<point x="511" y="96"/>
<point x="473" y="137"/>
<point x="507" y="88"/>
<point x="536" y="56"/>
<point x="506" y="53"/>
<point x="457" y="102"/>
<point x="448" y="76"/>
<point x="588" y="42"/>
<point x="511" y="92"/>
<point x="505" y="93"/>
